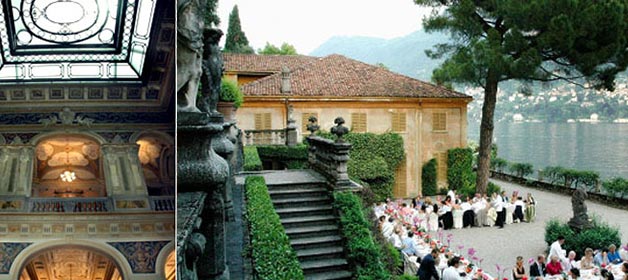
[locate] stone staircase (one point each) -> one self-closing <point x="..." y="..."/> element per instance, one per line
<point x="306" y="212"/>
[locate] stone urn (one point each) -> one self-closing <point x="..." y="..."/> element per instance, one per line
<point x="228" y="110"/>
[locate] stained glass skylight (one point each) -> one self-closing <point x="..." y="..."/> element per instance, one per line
<point x="74" y="40"/>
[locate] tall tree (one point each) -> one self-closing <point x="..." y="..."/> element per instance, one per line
<point x="210" y="16"/>
<point x="285" y="49"/>
<point x="578" y="41"/>
<point x="236" y="40"/>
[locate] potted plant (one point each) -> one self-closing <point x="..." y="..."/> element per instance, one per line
<point x="230" y="99"/>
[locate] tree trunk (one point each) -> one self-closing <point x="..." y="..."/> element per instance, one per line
<point x="486" y="132"/>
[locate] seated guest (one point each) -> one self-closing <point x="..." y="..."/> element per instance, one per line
<point x="624" y="269"/>
<point x="554" y="267"/>
<point x="491" y="216"/>
<point x="574" y="273"/>
<point x="538" y="269"/>
<point x="433" y="219"/>
<point x="451" y="272"/>
<point x="606" y="275"/>
<point x="408" y="245"/>
<point x="395" y="239"/>
<point x="601" y="258"/>
<point x="429" y="208"/>
<point x="623" y="252"/>
<point x="570" y="262"/>
<point x="517" y="216"/>
<point x="519" y="272"/>
<point x="421" y="218"/>
<point x="613" y="255"/>
<point x="427" y="269"/>
<point x="587" y="261"/>
<point x="380" y="209"/>
<point x="388" y="228"/>
<point x="446" y="216"/>
<point x="405" y="210"/>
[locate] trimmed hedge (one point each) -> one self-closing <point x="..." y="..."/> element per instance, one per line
<point x="460" y="168"/>
<point x="616" y="187"/>
<point x="273" y="257"/>
<point x="374" y="158"/>
<point x="429" y="177"/>
<point x="291" y="157"/>
<point x="571" y="178"/>
<point x="600" y="236"/>
<point x="363" y="253"/>
<point x="252" y="162"/>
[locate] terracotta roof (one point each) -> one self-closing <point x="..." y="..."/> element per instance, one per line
<point x="263" y="63"/>
<point x="339" y="76"/>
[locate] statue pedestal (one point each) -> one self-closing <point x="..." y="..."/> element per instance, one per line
<point x="201" y="169"/>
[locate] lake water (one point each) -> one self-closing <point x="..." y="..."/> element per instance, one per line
<point x="601" y="147"/>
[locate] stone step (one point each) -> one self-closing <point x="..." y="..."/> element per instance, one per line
<point x="301" y="201"/>
<point x="291" y="186"/>
<point x="330" y="275"/>
<point x="315" y="210"/>
<point x="313" y="231"/>
<point x="281" y="193"/>
<point x="315" y="242"/>
<point x="326" y="265"/>
<point x="309" y="221"/>
<point x="320" y="253"/>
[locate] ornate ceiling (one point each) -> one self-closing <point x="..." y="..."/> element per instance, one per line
<point x="71" y="264"/>
<point x="68" y="152"/>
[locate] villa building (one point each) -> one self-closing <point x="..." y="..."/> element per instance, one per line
<point x="87" y="140"/>
<point x="431" y="119"/>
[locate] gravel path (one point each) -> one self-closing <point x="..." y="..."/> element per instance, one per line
<point x="502" y="246"/>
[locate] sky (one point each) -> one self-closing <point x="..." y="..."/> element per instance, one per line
<point x="308" y="24"/>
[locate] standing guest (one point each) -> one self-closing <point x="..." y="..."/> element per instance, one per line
<point x="613" y="255"/>
<point x="498" y="204"/>
<point x="468" y="215"/>
<point x="433" y="219"/>
<point x="519" y="272"/>
<point x="517" y="216"/>
<point x="451" y="272"/>
<point x="557" y="250"/>
<point x="601" y="258"/>
<point x="587" y="261"/>
<point x="479" y="208"/>
<point x="408" y="245"/>
<point x="446" y="216"/>
<point x="452" y="195"/>
<point x="530" y="208"/>
<point x="554" y="267"/>
<point x="537" y="269"/>
<point x="427" y="269"/>
<point x="388" y="228"/>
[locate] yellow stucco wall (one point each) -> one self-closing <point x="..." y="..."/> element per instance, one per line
<point x="419" y="140"/>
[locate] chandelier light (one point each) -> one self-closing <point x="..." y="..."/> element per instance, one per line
<point x="68" y="176"/>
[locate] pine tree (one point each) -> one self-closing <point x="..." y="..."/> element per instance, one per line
<point x="236" y="41"/>
<point x="578" y="41"/>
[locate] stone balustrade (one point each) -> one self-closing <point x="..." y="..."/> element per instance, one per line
<point x="70" y="205"/>
<point x="162" y="203"/>
<point x="286" y="136"/>
<point x="330" y="159"/>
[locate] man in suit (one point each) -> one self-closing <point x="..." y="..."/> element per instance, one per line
<point x="427" y="270"/>
<point x="537" y="269"/>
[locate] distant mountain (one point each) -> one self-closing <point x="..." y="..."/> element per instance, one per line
<point x="555" y="102"/>
<point x="405" y="55"/>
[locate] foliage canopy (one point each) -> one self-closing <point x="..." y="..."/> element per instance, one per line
<point x="285" y="49"/>
<point x="236" y="41"/>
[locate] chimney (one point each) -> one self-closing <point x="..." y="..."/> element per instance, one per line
<point x="285" y="80"/>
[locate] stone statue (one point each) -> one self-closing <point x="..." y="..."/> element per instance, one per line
<point x="312" y="126"/>
<point x="339" y="130"/>
<point x="66" y="116"/>
<point x="212" y="71"/>
<point x="190" y="24"/>
<point x="580" y="218"/>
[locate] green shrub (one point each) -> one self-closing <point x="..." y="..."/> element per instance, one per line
<point x="571" y="178"/>
<point x="460" y="168"/>
<point x="252" y="161"/>
<point x="363" y="253"/>
<point x="493" y="188"/>
<point x="230" y="92"/>
<point x="273" y="257"/>
<point x="498" y="164"/>
<point x="586" y="179"/>
<point x="406" y="277"/>
<point x="298" y="152"/>
<point x="616" y="187"/>
<point x="554" y="174"/>
<point x="374" y="158"/>
<point x="601" y="235"/>
<point x="521" y="169"/>
<point x="429" y="178"/>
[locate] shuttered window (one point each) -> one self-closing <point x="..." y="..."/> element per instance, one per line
<point x="400" y="180"/>
<point x="441" y="159"/>
<point x="263" y="121"/>
<point x="358" y="122"/>
<point x="439" y="122"/>
<point x="398" y="122"/>
<point x="305" y="121"/>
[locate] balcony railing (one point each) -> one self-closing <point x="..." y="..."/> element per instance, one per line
<point x="162" y="203"/>
<point x="72" y="205"/>
<point x="265" y="137"/>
